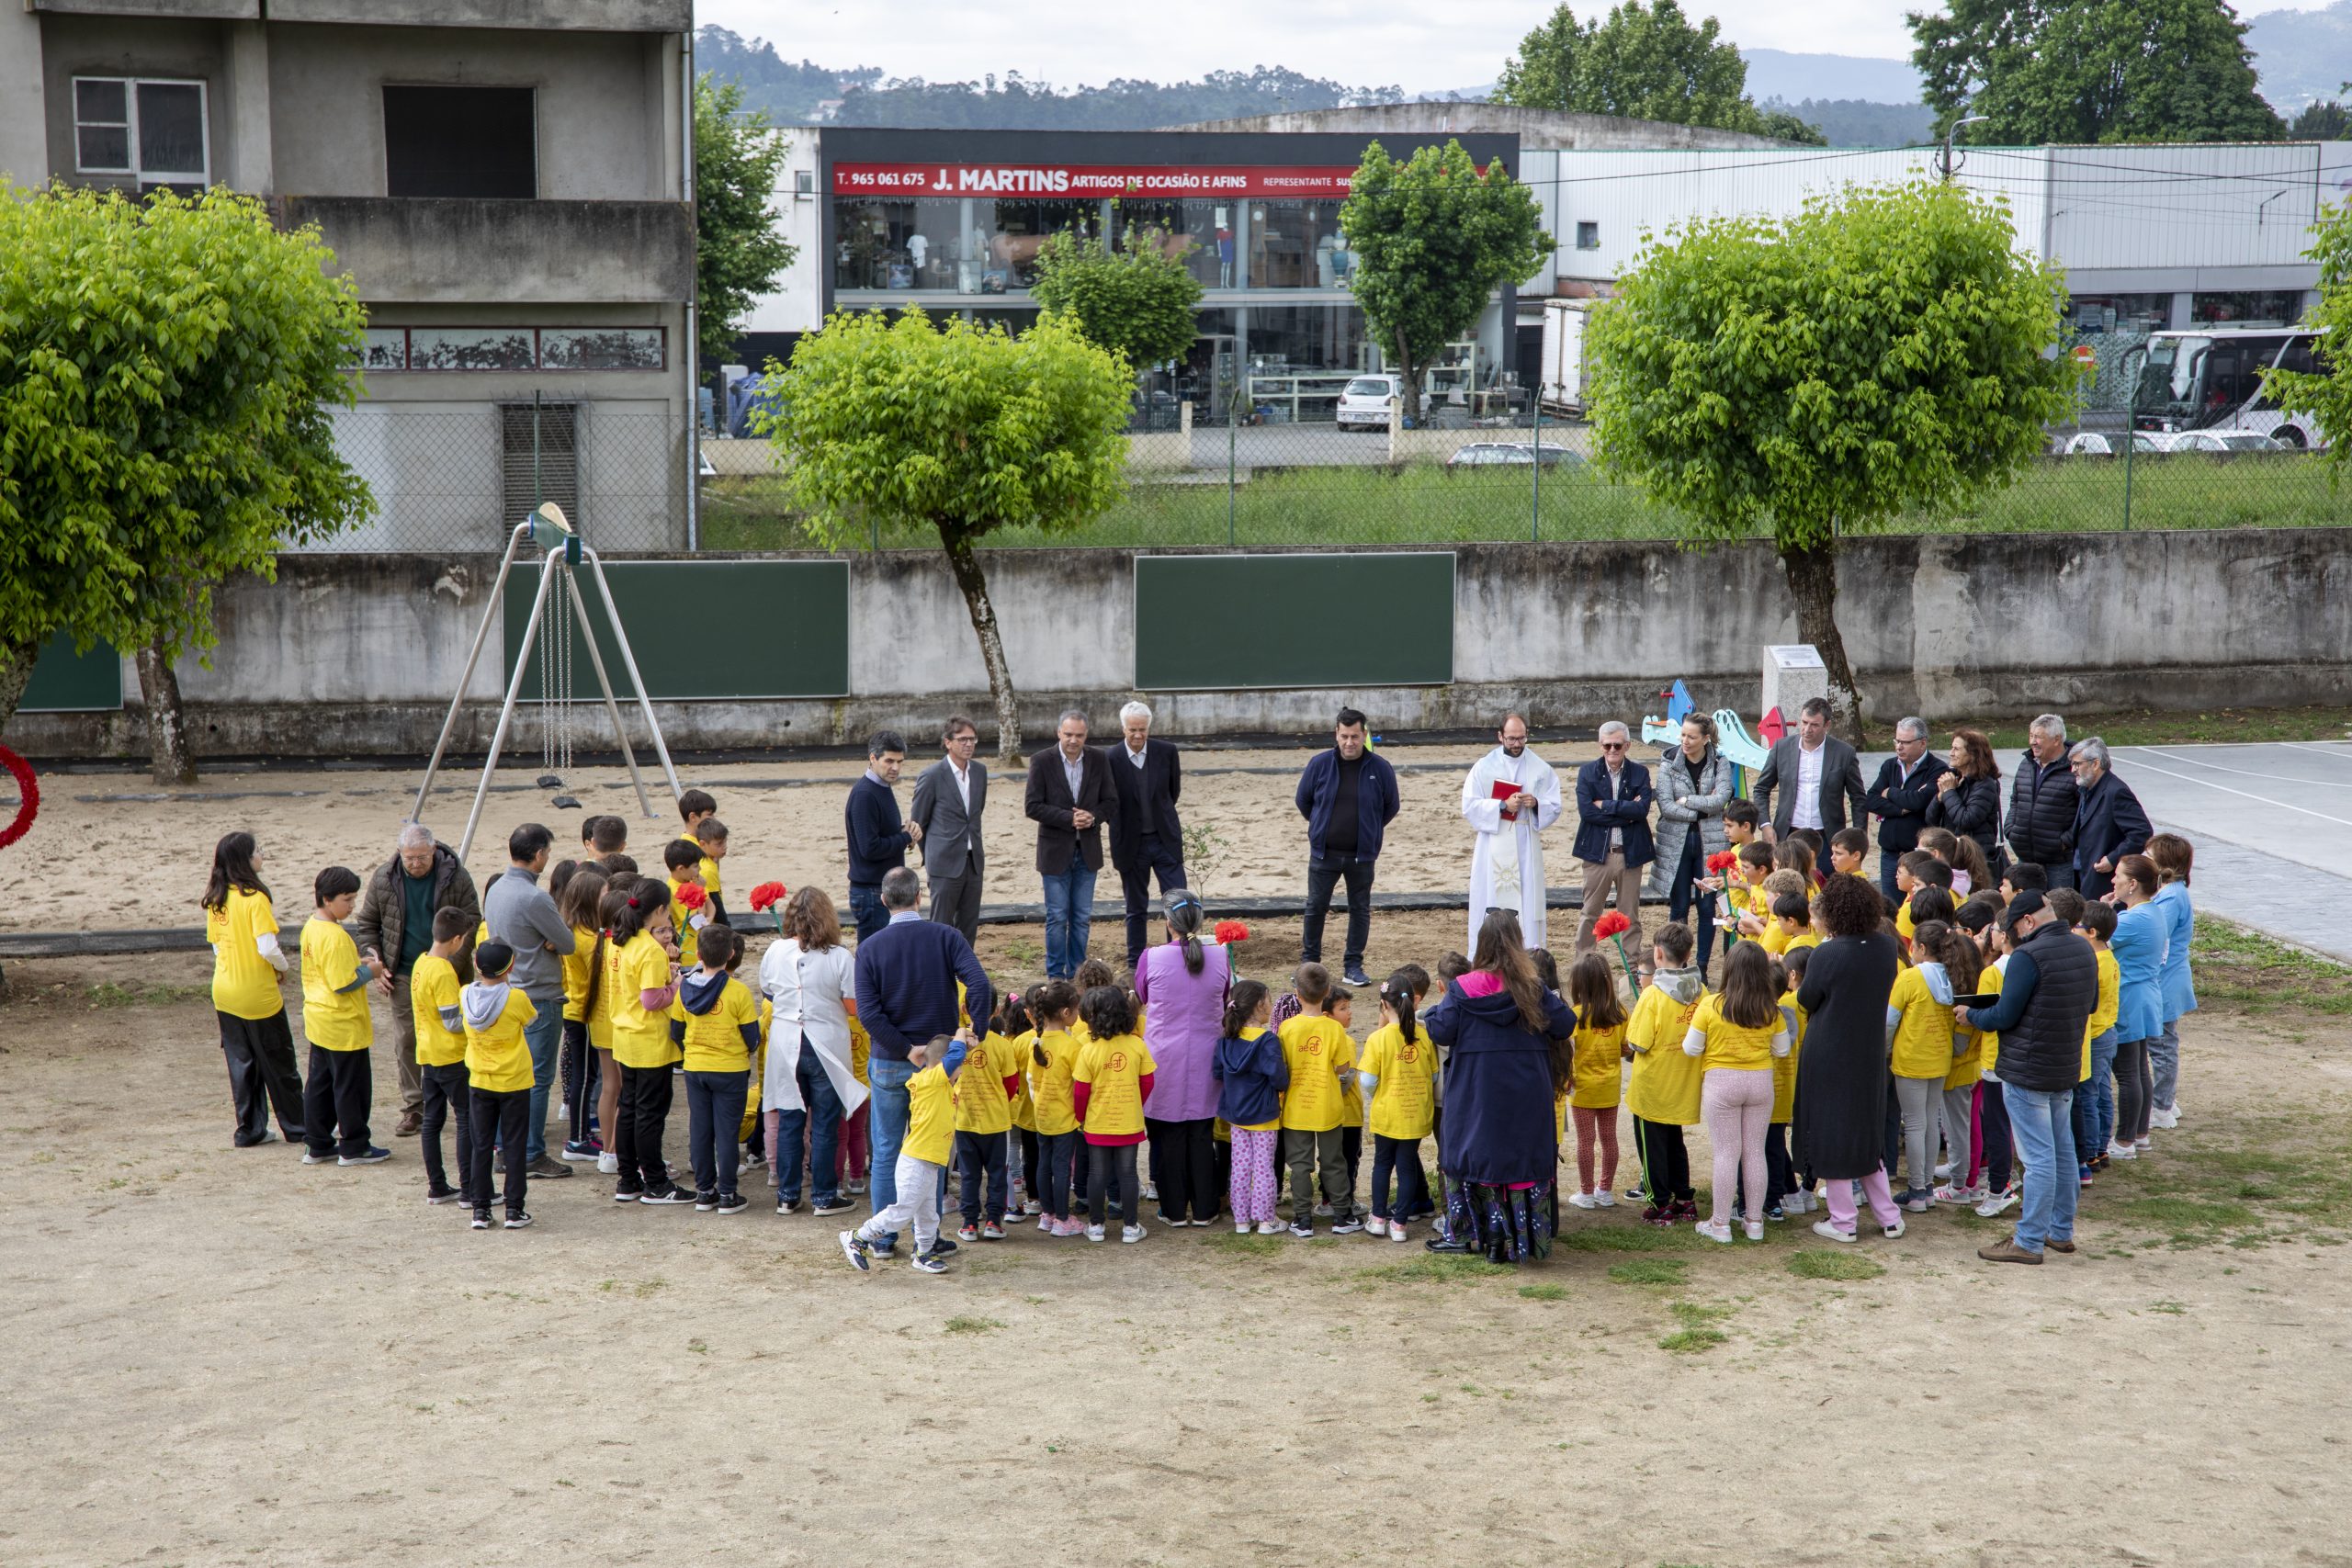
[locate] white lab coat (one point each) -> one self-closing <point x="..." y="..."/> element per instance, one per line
<point x="810" y="992"/>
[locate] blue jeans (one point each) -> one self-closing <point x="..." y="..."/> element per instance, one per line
<point x="866" y="910"/>
<point x="1886" y="859"/>
<point x="885" y="1125"/>
<point x="821" y="1118"/>
<point x="1069" y="913"/>
<point x="544" y="1035"/>
<point x="2095" y="1100"/>
<point x="713" y="1117"/>
<point x="2163" y="1064"/>
<point x="2042" y="1123"/>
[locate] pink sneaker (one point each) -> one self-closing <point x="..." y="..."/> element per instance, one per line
<point x="1070" y="1227"/>
<point x="1046" y="1223"/>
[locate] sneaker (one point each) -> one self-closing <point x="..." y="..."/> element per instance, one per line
<point x="443" y="1195"/>
<point x="1683" y="1209"/>
<point x="1996" y="1204"/>
<point x="853" y="1249"/>
<point x="516" y="1221"/>
<point x="1713" y="1231"/>
<point x="626" y="1193"/>
<point x="2141" y="1146"/>
<point x="942" y="1245"/>
<point x="732" y="1204"/>
<point x="2122" y="1151"/>
<point x="1349" y="1225"/>
<point x="1948" y="1193"/>
<point x="1397" y="1230"/>
<point x="1828" y="1232"/>
<point x="1242" y="1228"/>
<point x="1583" y="1200"/>
<point x="1602" y="1198"/>
<point x="546" y="1168"/>
<point x="585" y="1151"/>
<point x="1376" y="1226"/>
<point x="753" y="1161"/>
<point x="1132" y="1233"/>
<point x="1444" y="1242"/>
<point x="706" y="1201"/>
<point x="857" y="1186"/>
<point x="1047" y="1223"/>
<point x="785" y="1205"/>
<point x="1755" y="1230"/>
<point x="1634" y="1195"/>
<point x="1270" y="1227"/>
<point x="1071" y="1227"/>
<point x="607" y="1163"/>
<point x="1151" y="1192"/>
<point x="481" y="1218"/>
<point x="369" y="1156"/>
<point x="1776" y="1213"/>
<point x="2082" y="1175"/>
<point x="929" y="1263"/>
<point x="1171" y="1221"/>
<point x="822" y="1207"/>
<point x="1322" y="1210"/>
<point x="2165" y="1119"/>
<point x="1892" y="1232"/>
<point x="1943" y="1171"/>
<point x="2007" y="1250"/>
<point x="1094" y="1232"/>
<point x="1304" y="1232"/>
<point x="967" y="1233"/>
<point x="1354" y="976"/>
<point x="991" y="1230"/>
<point x="1658" y="1216"/>
<point x="1030" y="1207"/>
<point x="1914" y="1200"/>
<point x="268" y="1135"/>
<point x="670" y="1195"/>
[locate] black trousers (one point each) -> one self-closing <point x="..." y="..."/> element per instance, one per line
<point x="1032" y="1147"/>
<point x="1351" y="1150"/>
<point x="980" y="1175"/>
<point x="1403" y="1156"/>
<point x="644" y="1111"/>
<point x="1665" y="1161"/>
<point x="1134" y="882"/>
<point x="1686" y="891"/>
<point x="505" y="1120"/>
<point x="1183" y="1165"/>
<point x="335" y="1098"/>
<point x="1993" y="1127"/>
<point x="580" y="1077"/>
<point x="1113" y="1164"/>
<point x="2135" y="1082"/>
<point x="448" y="1097"/>
<point x="1322" y="877"/>
<point x="261" y="1075"/>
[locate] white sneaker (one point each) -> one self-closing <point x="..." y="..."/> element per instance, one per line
<point x="1270" y="1227"/>
<point x="1713" y="1231"/>
<point x="1094" y="1232"/>
<point x="1151" y="1191"/>
<point x="1828" y="1232"/>
<point x="1397" y="1230"/>
<point x="1756" y="1230"/>
<point x="2122" y="1151"/>
<point x="1603" y="1199"/>
<point x="609" y="1164"/>
<point x="1131" y="1233"/>
<point x="1584" y="1200"/>
<point x="2141" y="1146"/>
<point x="1376" y="1226"/>
<point x="1893" y="1231"/>
<point x="1996" y="1204"/>
<point x="1046" y="1223"/>
<point x="1241" y="1228"/>
<point x="1948" y="1193"/>
<point x="1943" y="1171"/>
<point x="1322" y="1210"/>
<point x="2165" y="1119"/>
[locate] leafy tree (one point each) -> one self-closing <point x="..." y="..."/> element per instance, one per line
<point x="167" y="373"/>
<point x="1646" y="61"/>
<point x="2325" y="392"/>
<point x="783" y="90"/>
<point x="738" y="253"/>
<point x="2327" y="121"/>
<point x="1122" y="105"/>
<point x="1137" y="300"/>
<point x="2092" y="71"/>
<point x="958" y="428"/>
<point x="1813" y="376"/>
<point x="1858" y="122"/>
<point x="1432" y="238"/>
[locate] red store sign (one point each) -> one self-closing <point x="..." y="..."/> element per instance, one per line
<point x="1089" y="182"/>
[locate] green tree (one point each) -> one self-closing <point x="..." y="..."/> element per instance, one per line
<point x="2326" y="121"/>
<point x="2325" y="393"/>
<point x="2044" y="71"/>
<point x="738" y="253"/>
<point x="1432" y="238"/>
<point x="1646" y="61"/>
<point x="167" y="370"/>
<point x="1137" y="300"/>
<point x="1813" y="376"/>
<point x="958" y="428"/>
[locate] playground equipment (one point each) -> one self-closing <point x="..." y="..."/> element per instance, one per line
<point x="553" y="610"/>
<point x="1746" y="753"/>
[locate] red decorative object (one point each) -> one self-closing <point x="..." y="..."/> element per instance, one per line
<point x="1772" y="728"/>
<point x="1611" y="924"/>
<point x="766" y="894"/>
<point x="28" y="798"/>
<point x="1722" y="860"/>
<point x="692" y="895"/>
<point x="1230" y="931"/>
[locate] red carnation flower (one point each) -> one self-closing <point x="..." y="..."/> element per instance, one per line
<point x="1230" y="931"/>
<point x="692" y="895"/>
<point x="1722" y="860"/>
<point x="1611" y="924"/>
<point x="766" y="894"/>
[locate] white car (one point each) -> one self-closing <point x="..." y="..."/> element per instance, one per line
<point x="1364" y="403"/>
<point x="2091" y="443"/>
<point x="2218" y="441"/>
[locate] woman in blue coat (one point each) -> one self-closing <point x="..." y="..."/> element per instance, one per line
<point x="2140" y="944"/>
<point x="2172" y="858"/>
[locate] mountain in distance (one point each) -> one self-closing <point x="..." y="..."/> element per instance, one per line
<point x="1778" y="74"/>
<point x="2302" y="56"/>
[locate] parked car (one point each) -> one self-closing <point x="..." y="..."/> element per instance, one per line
<point x="2252" y="441"/>
<point x="1364" y="403"/>
<point x="1491" y="454"/>
<point x="2217" y="441"/>
<point x="2091" y="443"/>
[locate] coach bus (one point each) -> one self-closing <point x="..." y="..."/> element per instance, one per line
<point x="2211" y="378"/>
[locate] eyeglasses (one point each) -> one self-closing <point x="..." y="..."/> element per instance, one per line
<point x="1612" y="745"/>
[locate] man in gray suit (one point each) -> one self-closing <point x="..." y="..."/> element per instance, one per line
<point x="949" y="798"/>
<point x="1822" y="776"/>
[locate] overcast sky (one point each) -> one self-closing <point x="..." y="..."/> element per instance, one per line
<point x="1415" y="44"/>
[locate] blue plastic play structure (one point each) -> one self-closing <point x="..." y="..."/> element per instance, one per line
<point x="1742" y="751"/>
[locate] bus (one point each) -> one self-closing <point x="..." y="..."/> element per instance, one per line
<point x="2211" y="378"/>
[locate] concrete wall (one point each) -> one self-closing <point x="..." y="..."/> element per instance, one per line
<point x="358" y="654"/>
<point x="24" y="124"/>
<point x="447" y="250"/>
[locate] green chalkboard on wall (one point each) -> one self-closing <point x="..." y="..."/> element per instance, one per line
<point x="709" y="630"/>
<point x="1263" y="621"/>
<point x="67" y="681"/>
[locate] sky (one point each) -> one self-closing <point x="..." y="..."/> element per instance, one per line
<point x="1418" y="46"/>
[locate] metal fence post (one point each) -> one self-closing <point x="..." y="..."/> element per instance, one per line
<point x="1232" y="481"/>
<point x="1535" y="529"/>
<point x="2131" y="426"/>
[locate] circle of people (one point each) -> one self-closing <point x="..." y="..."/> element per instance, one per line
<point x="1995" y="1015"/>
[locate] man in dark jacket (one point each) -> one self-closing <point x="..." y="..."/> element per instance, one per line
<point x="395" y="921"/>
<point x="2041" y="803"/>
<point x="1146" y="837"/>
<point x="1613" y="798"/>
<point x="878" y="838"/>
<point x="1348" y="795"/>
<point x="1070" y="797"/>
<point x="1898" y="797"/>
<point x="2108" y="820"/>
<point x="2047" y="996"/>
<point x="1818" y="777"/>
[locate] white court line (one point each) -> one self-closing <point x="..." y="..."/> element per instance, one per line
<point x="2315" y="746"/>
<point x="2245" y="772"/>
<point x="2225" y="789"/>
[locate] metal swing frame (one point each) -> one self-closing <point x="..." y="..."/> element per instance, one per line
<point x="565" y="551"/>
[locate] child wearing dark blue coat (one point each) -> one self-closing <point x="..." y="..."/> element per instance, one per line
<point x="1252" y="1075"/>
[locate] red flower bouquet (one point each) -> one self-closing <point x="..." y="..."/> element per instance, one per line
<point x="1612" y="929"/>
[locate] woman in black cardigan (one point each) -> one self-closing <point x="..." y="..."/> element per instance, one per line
<point x="1968" y="796"/>
<point x="1842" y="1083"/>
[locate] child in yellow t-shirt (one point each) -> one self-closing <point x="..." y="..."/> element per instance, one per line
<point x="1019" y="1025"/>
<point x="1745" y="906"/>
<point x="922" y="1157"/>
<point x="1662" y="1091"/>
<point x="1398" y="1079"/>
<point x="1734" y="1037"/>
<point x="1783" y="1193"/>
<point x="335" y="1021"/>
<point x="698" y="809"/>
<point x="1920" y="1045"/>
<point x="576" y="907"/>
<point x="1110" y="1084"/>
<point x="255" y="1038"/>
<point x="855" y="1156"/>
<point x="1596" y="1078"/>
<point x="1321" y="1061"/>
<point x="689" y="912"/>
<point x="1052" y="1055"/>
<point x="1764" y="907"/>
<point x="1793" y="914"/>
<point x="1340" y="1007"/>
<point x="983" y="1117"/>
<point x="498" y="1078"/>
<point x="2095" y="1098"/>
<point x="637" y="968"/>
<point x="715" y="1024"/>
<point x="433" y="997"/>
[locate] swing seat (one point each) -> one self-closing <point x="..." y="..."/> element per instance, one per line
<point x="564" y="803"/>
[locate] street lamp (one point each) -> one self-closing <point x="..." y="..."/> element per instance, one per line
<point x="1950" y="131"/>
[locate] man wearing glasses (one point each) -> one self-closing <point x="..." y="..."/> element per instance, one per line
<point x="949" y="798"/>
<point x="1613" y="834"/>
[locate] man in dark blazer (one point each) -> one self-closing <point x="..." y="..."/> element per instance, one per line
<point x="1613" y="799"/>
<point x="949" y="798"/>
<point x="1899" y="797"/>
<point x="2110" y="822"/>
<point x="1145" y="836"/>
<point x="1819" y="778"/>
<point x="1070" y="797"/>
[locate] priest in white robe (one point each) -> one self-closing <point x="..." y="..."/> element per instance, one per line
<point x="1510" y="796"/>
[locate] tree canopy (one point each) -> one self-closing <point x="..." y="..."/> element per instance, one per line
<point x="1137" y="300"/>
<point x="1810" y="378"/>
<point x="1647" y="61"/>
<point x="2325" y="393"/>
<point x="2044" y="71"/>
<point x="738" y="250"/>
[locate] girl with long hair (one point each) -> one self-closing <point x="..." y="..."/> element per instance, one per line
<point x="1735" y="1035"/>
<point x="255" y="1036"/>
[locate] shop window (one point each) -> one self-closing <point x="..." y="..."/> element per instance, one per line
<point x="461" y="142"/>
<point x="515" y="348"/>
<point x="1587" y="236"/>
<point x="151" y="131"/>
<point x="2266" y="307"/>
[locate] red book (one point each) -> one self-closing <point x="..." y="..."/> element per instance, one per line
<point x="1504" y="791"/>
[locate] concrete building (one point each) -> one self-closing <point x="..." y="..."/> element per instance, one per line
<point x="506" y="181"/>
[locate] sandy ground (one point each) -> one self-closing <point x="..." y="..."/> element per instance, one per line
<point x="156" y="845"/>
<point x="222" y="1356"/>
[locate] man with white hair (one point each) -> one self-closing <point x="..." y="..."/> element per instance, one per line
<point x="1613" y="798"/>
<point x="1899" y="797"/>
<point x="1508" y="798"/>
<point x="1146" y="837"/>
<point x="395" y="919"/>
<point x="2041" y="803"/>
<point x="2110" y="821"/>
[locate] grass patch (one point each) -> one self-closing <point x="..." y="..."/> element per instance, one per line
<point x="1820" y="1263"/>
<point x="1698" y="1332"/>
<point x="106" y="996"/>
<point x="962" y="1325"/>
<point x="1626" y="1238"/>
<point x="1233" y="1243"/>
<point x="2251" y="971"/>
<point x="1649" y="1271"/>
<point x="2180" y="1215"/>
<point x="1436" y="1267"/>
<point x="1544" y="1293"/>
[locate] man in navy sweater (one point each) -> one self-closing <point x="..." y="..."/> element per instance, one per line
<point x="877" y="839"/>
<point x="1348" y="795"/>
<point x="906" y="976"/>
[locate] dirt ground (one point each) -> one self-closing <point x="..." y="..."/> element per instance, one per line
<point x="222" y="1356"/>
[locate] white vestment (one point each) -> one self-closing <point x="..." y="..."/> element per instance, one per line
<point x="1507" y="866"/>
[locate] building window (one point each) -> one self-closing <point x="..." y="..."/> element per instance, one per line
<point x="515" y="348"/>
<point x="540" y="457"/>
<point x="1587" y="236"/>
<point x="151" y="131"/>
<point x="600" y="348"/>
<point x="461" y="141"/>
<point x="2264" y="307"/>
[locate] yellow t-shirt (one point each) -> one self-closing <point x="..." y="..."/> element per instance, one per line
<point x="1317" y="1050"/>
<point x="1809" y="937"/>
<point x="1598" y="1075"/>
<point x="1775" y="940"/>
<point x="640" y="1039"/>
<point x="334" y="1019"/>
<point x="1025" y="1109"/>
<point x="1967" y="1058"/>
<point x="931" y="1115"/>
<point x="599" y="1010"/>
<point x="1404" y="1099"/>
<point x="1989" y="1041"/>
<point x="1733" y="1047"/>
<point x="1665" y="1084"/>
<point x="1049" y="1085"/>
<point x="1923" y="1043"/>
<point x="1784" y="1068"/>
<point x="710" y="867"/>
<point x="575" y="974"/>
<point x="981" y="1103"/>
<point x="2109" y="1007"/>
<point x="861" y="1049"/>
<point x="431" y="985"/>
<point x="498" y="1060"/>
<point x="244" y="984"/>
<point x="714" y="1041"/>
<point x="1113" y="1068"/>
